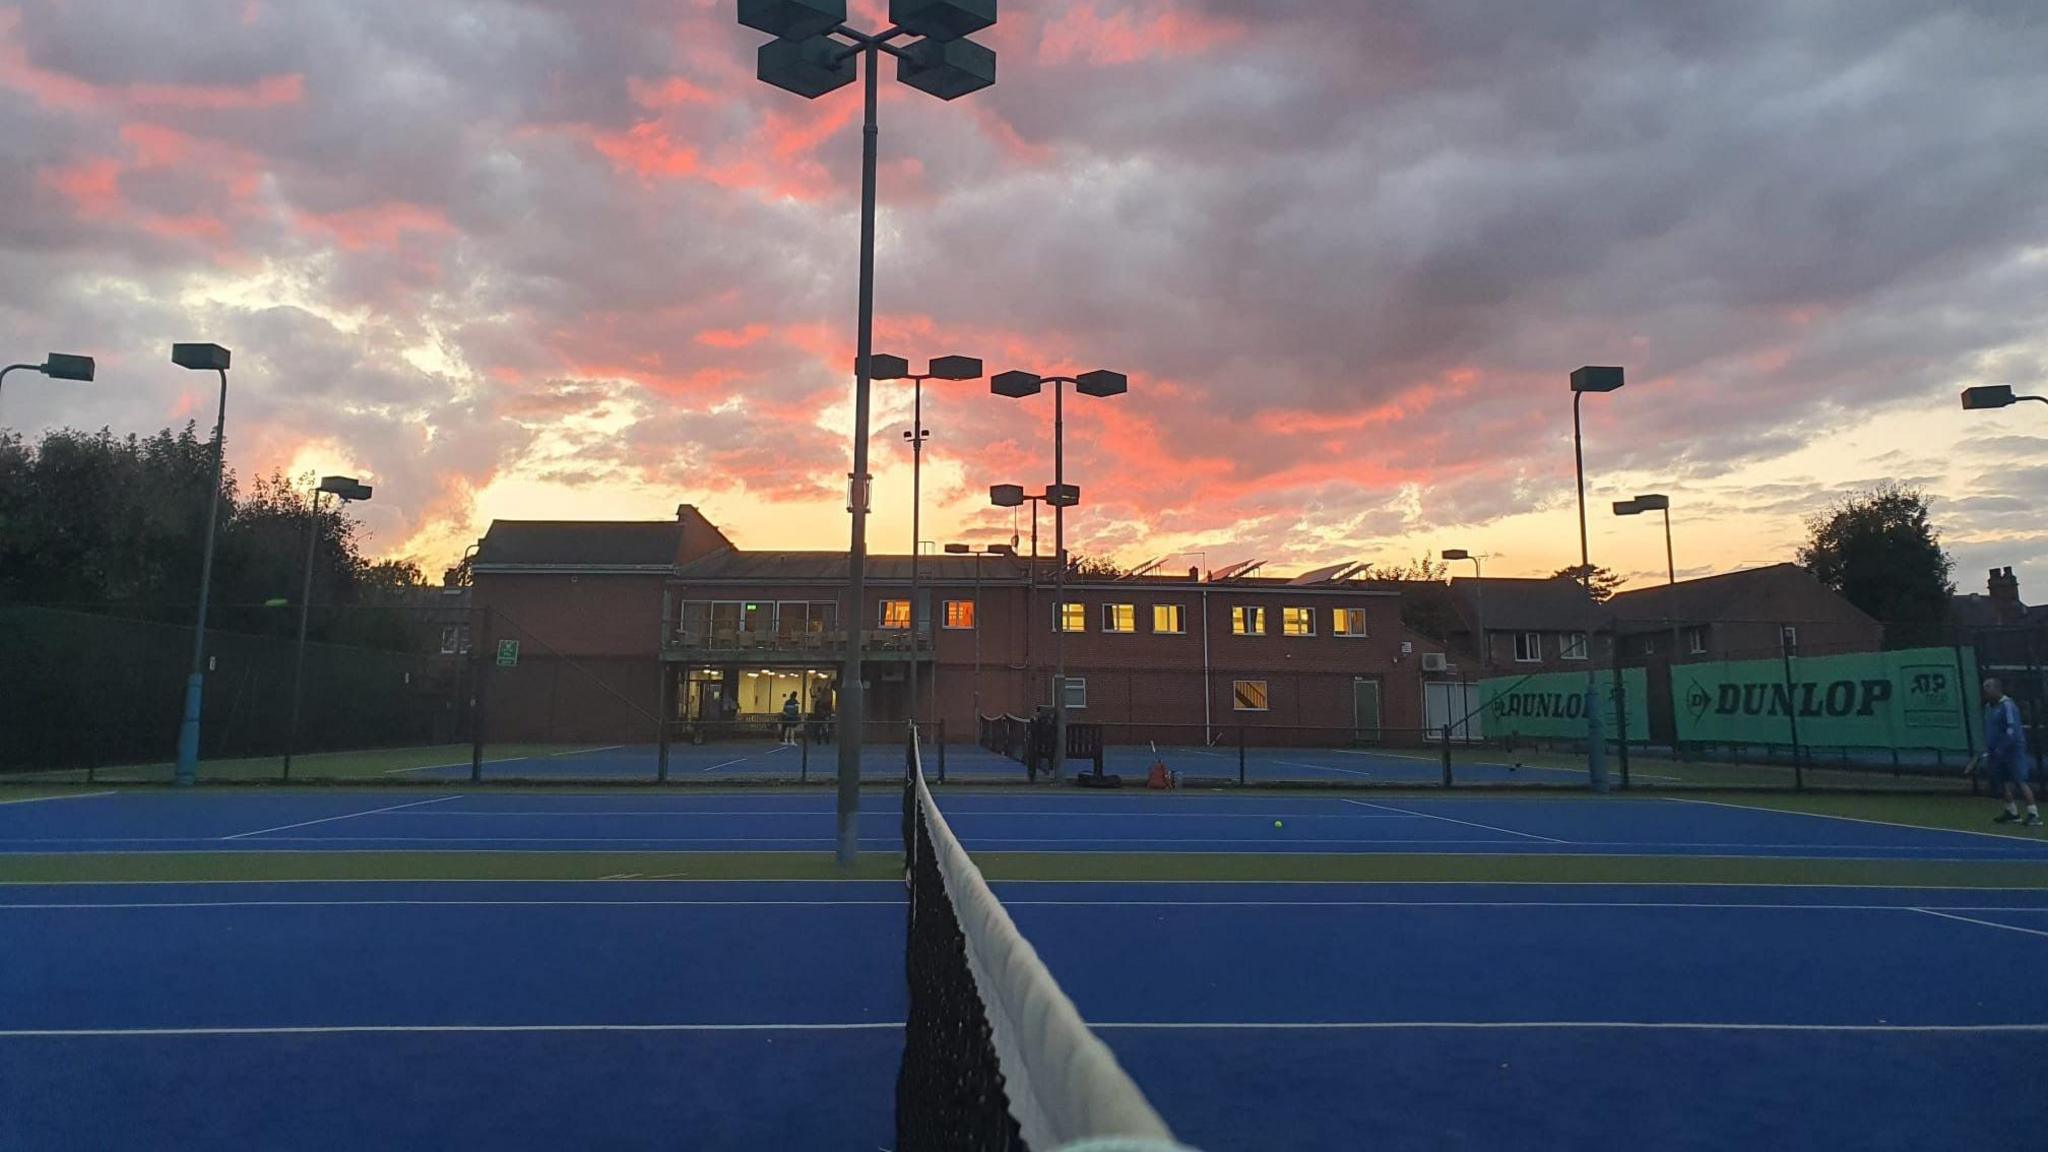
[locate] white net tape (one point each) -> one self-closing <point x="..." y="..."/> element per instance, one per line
<point x="1065" y="1087"/>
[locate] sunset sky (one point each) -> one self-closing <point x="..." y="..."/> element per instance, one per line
<point x="570" y="259"/>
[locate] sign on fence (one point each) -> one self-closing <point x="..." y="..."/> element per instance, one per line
<point x="508" y="653"/>
<point x="1552" y="705"/>
<point x="1921" y="698"/>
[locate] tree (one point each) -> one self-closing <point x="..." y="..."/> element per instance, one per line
<point x="1084" y="567"/>
<point x="1879" y="550"/>
<point x="1602" y="586"/>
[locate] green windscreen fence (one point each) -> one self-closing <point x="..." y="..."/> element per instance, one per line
<point x="1919" y="698"/>
<point x="1552" y="705"/>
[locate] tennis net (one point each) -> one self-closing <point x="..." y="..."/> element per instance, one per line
<point x="995" y="1056"/>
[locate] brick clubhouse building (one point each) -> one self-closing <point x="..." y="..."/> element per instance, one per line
<point x="622" y="622"/>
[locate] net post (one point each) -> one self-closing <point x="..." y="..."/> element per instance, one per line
<point x="479" y="684"/>
<point x="1447" y="755"/>
<point x="1620" y="713"/>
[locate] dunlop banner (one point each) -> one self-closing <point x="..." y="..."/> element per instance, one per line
<point x="1552" y="705"/>
<point x="1922" y="698"/>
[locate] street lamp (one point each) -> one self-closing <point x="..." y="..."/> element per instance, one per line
<point x="1478" y="602"/>
<point x="1993" y="396"/>
<point x="1654" y="502"/>
<point x="1584" y="380"/>
<point x="57" y="366"/>
<point x="202" y="358"/>
<point x="1018" y="385"/>
<point x="812" y="54"/>
<point x="977" y="553"/>
<point x="940" y="368"/>
<point x="345" y="489"/>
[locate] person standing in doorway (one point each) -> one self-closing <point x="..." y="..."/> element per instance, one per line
<point x="2005" y="756"/>
<point x="792" y="719"/>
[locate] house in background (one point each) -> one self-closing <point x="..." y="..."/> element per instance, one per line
<point x="1513" y="626"/>
<point x="1747" y="615"/>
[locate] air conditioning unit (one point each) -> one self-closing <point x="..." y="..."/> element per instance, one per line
<point x="1435" y="662"/>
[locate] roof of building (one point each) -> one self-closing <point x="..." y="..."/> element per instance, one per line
<point x="1510" y="604"/>
<point x="809" y="567"/>
<point x="1775" y="593"/>
<point x="580" y="543"/>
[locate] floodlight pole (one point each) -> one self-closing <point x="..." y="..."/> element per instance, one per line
<point x="291" y="732"/>
<point x="195" y="683"/>
<point x="1596" y="749"/>
<point x="1059" y="578"/>
<point x="852" y="694"/>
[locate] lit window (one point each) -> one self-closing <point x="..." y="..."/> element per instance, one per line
<point x="1119" y="617"/>
<point x="1348" y="622"/>
<point x="1696" y="640"/>
<point x="1528" y="647"/>
<point x="1247" y="621"/>
<point x="1169" y="619"/>
<point x="895" y="615"/>
<point x="1572" y="646"/>
<point x="960" y="614"/>
<point x="1297" y="622"/>
<point x="1073" y="617"/>
<point x="1249" y="696"/>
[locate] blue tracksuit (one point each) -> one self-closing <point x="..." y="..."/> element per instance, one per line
<point x="2005" y="741"/>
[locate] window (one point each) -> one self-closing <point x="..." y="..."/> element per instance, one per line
<point x="1077" y="692"/>
<point x="1247" y="621"/>
<point x="1119" y="617"/>
<point x="1789" y="637"/>
<point x="1073" y="617"/>
<point x="1696" y="640"/>
<point x="1528" y="647"/>
<point x="895" y="615"/>
<point x="1248" y="696"/>
<point x="1297" y="621"/>
<point x="1348" y="622"/>
<point x="959" y="613"/>
<point x="1572" y="646"/>
<point x="1169" y="619"/>
<point x="454" y="639"/>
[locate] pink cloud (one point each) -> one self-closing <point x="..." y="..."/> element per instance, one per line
<point x="1131" y="32"/>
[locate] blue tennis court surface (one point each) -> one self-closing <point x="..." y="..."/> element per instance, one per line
<point x="765" y="760"/>
<point x="1257" y="1016"/>
<point x="1049" y="820"/>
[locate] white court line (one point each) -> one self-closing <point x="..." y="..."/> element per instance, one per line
<point x="1455" y="820"/>
<point x="62" y="796"/>
<point x="137" y="904"/>
<point x="433" y="1029"/>
<point x="1945" y="915"/>
<point x="1850" y="819"/>
<point x="123" y="905"/>
<point x="327" y="819"/>
<point x="744" y="759"/>
<point x="499" y="760"/>
<point x="1060" y="814"/>
<point x="1536" y="1025"/>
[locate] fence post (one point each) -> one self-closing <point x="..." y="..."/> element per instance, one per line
<point x="1620" y="713"/>
<point x="941" y="724"/>
<point x="479" y="685"/>
<point x="1240" y="755"/>
<point x="1791" y="710"/>
<point x="1447" y="755"/>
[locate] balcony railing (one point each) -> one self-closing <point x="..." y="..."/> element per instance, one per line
<point x="881" y="644"/>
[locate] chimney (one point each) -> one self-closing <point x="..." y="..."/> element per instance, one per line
<point x="1195" y="574"/>
<point x="2005" y="596"/>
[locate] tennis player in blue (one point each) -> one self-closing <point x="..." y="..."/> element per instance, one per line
<point x="2005" y="755"/>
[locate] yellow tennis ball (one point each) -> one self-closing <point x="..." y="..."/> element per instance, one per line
<point x="1277" y="824"/>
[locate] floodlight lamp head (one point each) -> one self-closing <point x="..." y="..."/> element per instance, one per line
<point x="1016" y="385"/>
<point x="1988" y="396"/>
<point x="1006" y="495"/>
<point x="1102" y="382"/>
<point x="200" y="357"/>
<point x="954" y="368"/>
<point x="63" y="366"/>
<point x="1596" y="379"/>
